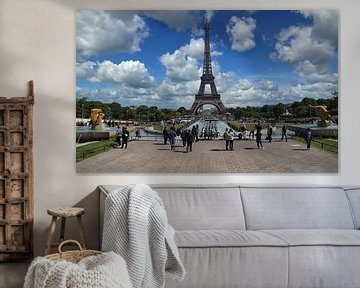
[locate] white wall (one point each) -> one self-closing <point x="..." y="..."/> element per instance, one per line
<point x="37" y="42"/>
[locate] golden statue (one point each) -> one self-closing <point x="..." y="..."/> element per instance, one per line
<point x="322" y="112"/>
<point x="96" y="118"/>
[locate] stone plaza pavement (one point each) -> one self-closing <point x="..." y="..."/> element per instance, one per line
<point x="211" y="157"/>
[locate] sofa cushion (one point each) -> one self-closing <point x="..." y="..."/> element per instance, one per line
<point x="315" y="237"/>
<point x="354" y="198"/>
<point x="220" y="267"/>
<point x="296" y="208"/>
<point x="226" y="238"/>
<point x="201" y="208"/>
<point x="327" y="258"/>
<point x="324" y="266"/>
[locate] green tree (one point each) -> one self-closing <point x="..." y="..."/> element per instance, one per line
<point x="238" y="112"/>
<point x="182" y="110"/>
<point x="82" y="108"/>
<point x="279" y="110"/>
<point x="333" y="104"/>
<point x="142" y="113"/>
<point x="115" y="110"/>
<point x="267" y="111"/>
<point x="252" y="112"/>
<point x="307" y="101"/>
<point x="303" y="111"/>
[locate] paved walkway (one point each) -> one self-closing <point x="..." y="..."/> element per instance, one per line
<point x="211" y="157"/>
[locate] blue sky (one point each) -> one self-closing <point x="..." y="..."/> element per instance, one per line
<point x="155" y="58"/>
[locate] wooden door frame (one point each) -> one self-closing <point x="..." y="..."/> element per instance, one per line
<point x="11" y="249"/>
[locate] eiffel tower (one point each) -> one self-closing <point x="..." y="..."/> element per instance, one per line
<point x="207" y="78"/>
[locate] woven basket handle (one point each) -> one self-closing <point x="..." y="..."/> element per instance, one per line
<point x="69" y="241"/>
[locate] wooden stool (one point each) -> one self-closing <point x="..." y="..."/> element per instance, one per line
<point x="64" y="213"/>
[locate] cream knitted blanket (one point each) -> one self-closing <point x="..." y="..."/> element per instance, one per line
<point x="103" y="271"/>
<point x="136" y="227"/>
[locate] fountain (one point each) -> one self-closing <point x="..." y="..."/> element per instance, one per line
<point x="326" y="119"/>
<point x="97" y="131"/>
<point x="97" y="119"/>
<point x="209" y="130"/>
<point x="324" y="127"/>
<point x="211" y="126"/>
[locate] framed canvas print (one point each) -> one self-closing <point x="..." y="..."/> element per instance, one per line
<point x="230" y="91"/>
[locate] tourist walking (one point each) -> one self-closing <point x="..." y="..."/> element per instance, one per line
<point x="269" y="133"/>
<point x="227" y="138"/>
<point x="172" y="138"/>
<point x="183" y="137"/>
<point x="242" y="134"/>
<point x="284" y="133"/>
<point x="165" y="135"/>
<point x="178" y="134"/>
<point x="308" y="138"/>
<point x="231" y="141"/>
<point x="189" y="141"/>
<point x="193" y="133"/>
<point x="137" y="134"/>
<point x="197" y="133"/>
<point x="125" y="137"/>
<point x="252" y="132"/>
<point x="258" y="136"/>
<point x="118" y="136"/>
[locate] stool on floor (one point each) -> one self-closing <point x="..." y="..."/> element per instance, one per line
<point x="64" y="213"/>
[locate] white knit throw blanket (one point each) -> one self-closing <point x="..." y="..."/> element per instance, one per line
<point x="136" y="227"/>
<point x="103" y="271"/>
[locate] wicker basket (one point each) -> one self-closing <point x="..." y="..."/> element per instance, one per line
<point x="72" y="256"/>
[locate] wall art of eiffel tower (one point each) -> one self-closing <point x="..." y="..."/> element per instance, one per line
<point x="207" y="78"/>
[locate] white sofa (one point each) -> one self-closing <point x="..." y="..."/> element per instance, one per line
<point x="242" y="236"/>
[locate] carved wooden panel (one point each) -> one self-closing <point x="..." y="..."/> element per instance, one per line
<point x="16" y="177"/>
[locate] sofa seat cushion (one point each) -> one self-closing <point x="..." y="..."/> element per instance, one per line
<point x="317" y="237"/>
<point x="235" y="267"/>
<point x="225" y="238"/>
<point x="324" y="258"/>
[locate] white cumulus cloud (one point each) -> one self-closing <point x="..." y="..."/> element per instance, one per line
<point x="315" y="73"/>
<point x="313" y="90"/>
<point x="241" y="33"/>
<point x="267" y="85"/>
<point x="185" y="63"/>
<point x="126" y="96"/>
<point x="296" y="44"/>
<point x="326" y="23"/>
<point x="85" y="70"/>
<point x="311" y="49"/>
<point x="130" y="73"/>
<point x="100" y="32"/>
<point x="209" y="14"/>
<point x="180" y="67"/>
<point x="178" y="94"/>
<point x="179" y="20"/>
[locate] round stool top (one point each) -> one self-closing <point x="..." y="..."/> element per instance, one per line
<point x="66" y="211"/>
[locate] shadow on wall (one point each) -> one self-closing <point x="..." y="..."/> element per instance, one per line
<point x="9" y="70"/>
<point x="91" y="222"/>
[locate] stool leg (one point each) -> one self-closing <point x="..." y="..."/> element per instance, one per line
<point x="62" y="231"/>
<point x="51" y="235"/>
<point x="82" y="232"/>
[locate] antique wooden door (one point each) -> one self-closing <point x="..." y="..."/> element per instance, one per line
<point x="16" y="177"/>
